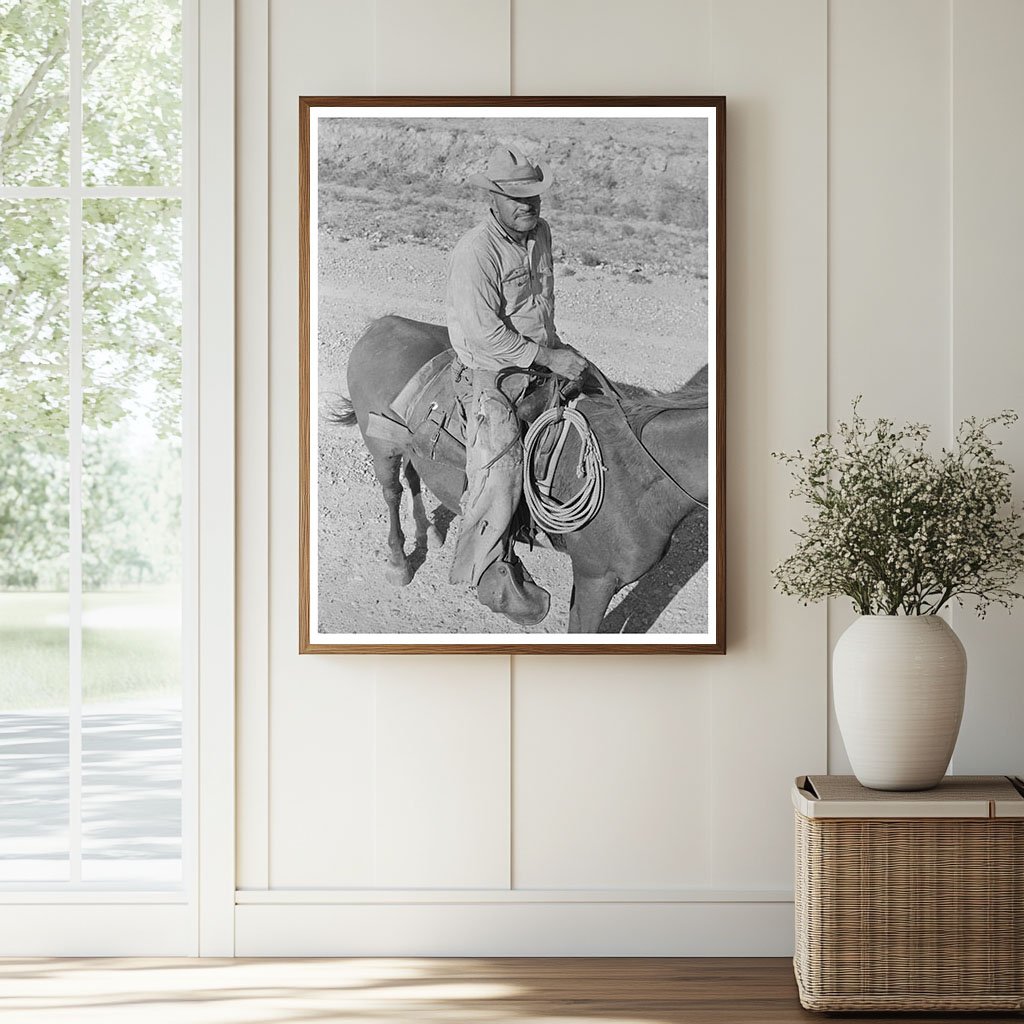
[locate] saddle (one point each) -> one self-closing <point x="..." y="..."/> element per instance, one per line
<point x="427" y="417"/>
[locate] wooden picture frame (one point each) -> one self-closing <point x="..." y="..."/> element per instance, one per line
<point x="637" y="220"/>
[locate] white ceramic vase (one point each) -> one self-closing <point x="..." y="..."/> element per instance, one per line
<point x="898" y="683"/>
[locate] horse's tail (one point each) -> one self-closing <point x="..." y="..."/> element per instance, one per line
<point x="339" y="409"/>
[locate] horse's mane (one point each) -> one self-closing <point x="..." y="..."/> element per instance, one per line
<point x="690" y="396"/>
<point x="641" y="410"/>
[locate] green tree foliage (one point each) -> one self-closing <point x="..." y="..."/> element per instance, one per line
<point x="33" y="514"/>
<point x="131" y="509"/>
<point x="131" y="309"/>
<point x="33" y="92"/>
<point x="132" y="313"/>
<point x="34" y="321"/>
<point x="131" y="92"/>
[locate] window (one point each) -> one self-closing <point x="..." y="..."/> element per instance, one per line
<point x="95" y="456"/>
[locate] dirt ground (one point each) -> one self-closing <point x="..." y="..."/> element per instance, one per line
<point x="647" y="331"/>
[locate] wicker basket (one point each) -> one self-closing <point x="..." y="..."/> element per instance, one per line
<point x="910" y="901"/>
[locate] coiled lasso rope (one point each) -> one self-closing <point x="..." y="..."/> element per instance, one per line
<point x="551" y="515"/>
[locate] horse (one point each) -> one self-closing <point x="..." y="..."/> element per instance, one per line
<point x="650" y="487"/>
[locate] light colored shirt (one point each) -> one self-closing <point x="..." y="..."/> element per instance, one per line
<point x="500" y="301"/>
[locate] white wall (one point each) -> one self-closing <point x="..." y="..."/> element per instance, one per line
<point x="625" y="805"/>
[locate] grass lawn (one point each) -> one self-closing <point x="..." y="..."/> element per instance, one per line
<point x="130" y="647"/>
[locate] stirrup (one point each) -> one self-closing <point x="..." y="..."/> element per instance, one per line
<point x="507" y="587"/>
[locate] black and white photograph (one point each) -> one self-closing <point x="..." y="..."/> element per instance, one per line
<point x="512" y="375"/>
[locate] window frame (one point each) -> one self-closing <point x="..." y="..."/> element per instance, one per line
<point x="197" y="918"/>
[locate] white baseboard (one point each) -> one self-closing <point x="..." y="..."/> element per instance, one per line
<point x="97" y="929"/>
<point x="504" y="928"/>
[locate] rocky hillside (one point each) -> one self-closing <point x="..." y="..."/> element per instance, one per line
<point x="630" y="194"/>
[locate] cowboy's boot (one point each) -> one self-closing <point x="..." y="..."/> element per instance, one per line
<point x="508" y="588"/>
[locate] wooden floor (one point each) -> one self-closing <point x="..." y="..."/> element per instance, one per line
<point x="413" y="991"/>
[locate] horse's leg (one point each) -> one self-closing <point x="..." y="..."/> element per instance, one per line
<point x="388" y="467"/>
<point x="589" y="601"/>
<point x="435" y="539"/>
<point x="419" y="513"/>
<point x="427" y="534"/>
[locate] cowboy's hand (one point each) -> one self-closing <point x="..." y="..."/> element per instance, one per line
<point x="563" y="361"/>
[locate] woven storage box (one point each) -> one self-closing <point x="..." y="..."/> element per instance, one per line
<point x="910" y="901"/>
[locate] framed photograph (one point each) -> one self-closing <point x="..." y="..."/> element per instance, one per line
<point x="512" y="375"/>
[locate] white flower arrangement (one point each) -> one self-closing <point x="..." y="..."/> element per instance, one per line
<point x="900" y="530"/>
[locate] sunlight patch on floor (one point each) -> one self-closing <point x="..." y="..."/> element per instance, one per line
<point x="219" y="991"/>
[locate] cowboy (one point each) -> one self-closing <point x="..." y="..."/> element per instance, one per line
<point x="500" y="308"/>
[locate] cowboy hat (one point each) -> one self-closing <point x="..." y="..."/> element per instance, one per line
<point x="509" y="173"/>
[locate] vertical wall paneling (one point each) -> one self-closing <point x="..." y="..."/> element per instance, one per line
<point x="323" y="756"/>
<point x="888" y="336"/>
<point x="574" y="47"/>
<point x="324" y="729"/>
<point x="611" y="755"/>
<point x="442" y="48"/>
<point x="442" y="775"/>
<point x="319" y="802"/>
<point x="252" y="186"/>
<point x="889" y="203"/>
<point x="612" y="774"/>
<point x="987" y="367"/>
<point x="871" y="249"/>
<point x="769" y="692"/>
<point x="216" y="812"/>
<point x="442" y="799"/>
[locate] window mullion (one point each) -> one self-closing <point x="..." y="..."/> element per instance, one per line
<point x="75" y="334"/>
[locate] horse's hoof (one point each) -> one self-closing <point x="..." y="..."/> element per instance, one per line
<point x="399" y="575"/>
<point x="434" y="538"/>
